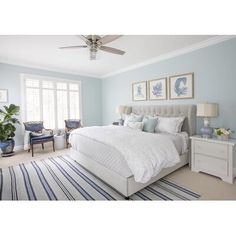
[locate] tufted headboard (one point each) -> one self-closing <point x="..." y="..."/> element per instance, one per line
<point x="189" y="111"/>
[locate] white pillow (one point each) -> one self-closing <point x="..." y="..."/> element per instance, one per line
<point x="171" y="125"/>
<point x="133" y="118"/>
<point x="135" y="125"/>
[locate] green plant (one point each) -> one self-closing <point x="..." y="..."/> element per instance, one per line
<point x="8" y="121"/>
<point x="223" y="131"/>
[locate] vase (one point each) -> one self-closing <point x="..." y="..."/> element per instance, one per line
<point x="7" y="147"/>
<point x="223" y="137"/>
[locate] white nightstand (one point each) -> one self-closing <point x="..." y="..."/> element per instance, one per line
<point x="214" y="157"/>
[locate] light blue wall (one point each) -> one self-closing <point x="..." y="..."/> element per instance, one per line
<point x="214" y="70"/>
<point x="91" y="92"/>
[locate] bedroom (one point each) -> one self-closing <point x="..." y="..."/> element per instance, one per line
<point x="53" y="96"/>
<point x="135" y="117"/>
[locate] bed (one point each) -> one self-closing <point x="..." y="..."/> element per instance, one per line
<point x="108" y="164"/>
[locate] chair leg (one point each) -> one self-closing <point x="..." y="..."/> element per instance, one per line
<point x="29" y="150"/>
<point x="53" y="145"/>
<point x="32" y="148"/>
<point x="42" y="146"/>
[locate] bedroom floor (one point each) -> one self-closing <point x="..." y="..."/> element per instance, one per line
<point x="210" y="187"/>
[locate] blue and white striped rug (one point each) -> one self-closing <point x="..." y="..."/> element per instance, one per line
<point x="62" y="178"/>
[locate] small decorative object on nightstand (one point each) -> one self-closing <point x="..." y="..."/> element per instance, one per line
<point x="116" y="123"/>
<point x="222" y="133"/>
<point x="214" y="157"/>
<point x="120" y="110"/>
<point x="207" y="110"/>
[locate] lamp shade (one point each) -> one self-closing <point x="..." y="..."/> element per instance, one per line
<point x="207" y="110"/>
<point x="120" y="109"/>
<point x="127" y="110"/>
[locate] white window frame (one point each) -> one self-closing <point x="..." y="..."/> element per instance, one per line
<point x="54" y="80"/>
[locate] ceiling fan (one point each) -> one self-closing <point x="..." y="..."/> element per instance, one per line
<point x="95" y="43"/>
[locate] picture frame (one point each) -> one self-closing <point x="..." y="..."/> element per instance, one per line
<point x="181" y="86"/>
<point x="157" y="89"/>
<point x="139" y="91"/>
<point x="3" y="95"/>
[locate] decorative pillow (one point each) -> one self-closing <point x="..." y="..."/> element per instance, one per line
<point x="169" y="124"/>
<point x="35" y="134"/>
<point x="149" y="124"/>
<point x="135" y="125"/>
<point x="133" y="118"/>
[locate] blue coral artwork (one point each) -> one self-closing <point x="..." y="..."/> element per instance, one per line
<point x="157" y="89"/>
<point x="139" y="91"/>
<point x="181" y="86"/>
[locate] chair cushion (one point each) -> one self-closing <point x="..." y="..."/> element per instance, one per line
<point x="34" y="126"/>
<point x="45" y="137"/>
<point x="72" y="124"/>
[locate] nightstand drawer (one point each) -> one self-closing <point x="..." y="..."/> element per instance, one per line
<point x="211" y="149"/>
<point x="210" y="164"/>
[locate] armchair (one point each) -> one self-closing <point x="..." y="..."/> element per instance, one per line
<point x="36" y="135"/>
<point x="69" y="126"/>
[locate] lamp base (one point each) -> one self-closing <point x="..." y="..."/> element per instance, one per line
<point x="206" y="132"/>
<point x="120" y="121"/>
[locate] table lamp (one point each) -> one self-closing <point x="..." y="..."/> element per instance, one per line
<point x="207" y="110"/>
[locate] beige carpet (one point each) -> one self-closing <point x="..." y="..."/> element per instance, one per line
<point x="210" y="187"/>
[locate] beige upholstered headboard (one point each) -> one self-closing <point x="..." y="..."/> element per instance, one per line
<point x="189" y="111"/>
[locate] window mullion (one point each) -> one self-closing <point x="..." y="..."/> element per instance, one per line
<point x="55" y="105"/>
<point x="41" y="100"/>
<point x="68" y="102"/>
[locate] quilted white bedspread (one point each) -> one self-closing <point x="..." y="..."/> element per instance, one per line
<point x="146" y="154"/>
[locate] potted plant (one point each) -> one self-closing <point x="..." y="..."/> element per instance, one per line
<point x="7" y="128"/>
<point x="222" y="133"/>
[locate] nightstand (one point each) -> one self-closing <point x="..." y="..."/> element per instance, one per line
<point x="214" y="157"/>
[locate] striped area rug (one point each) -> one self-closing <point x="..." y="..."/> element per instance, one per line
<point x="62" y="178"/>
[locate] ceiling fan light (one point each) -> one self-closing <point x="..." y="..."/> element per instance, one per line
<point x="93" y="55"/>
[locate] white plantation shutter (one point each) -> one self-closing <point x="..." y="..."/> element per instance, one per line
<point x="74" y="104"/>
<point x="62" y="108"/>
<point x="48" y="108"/>
<point x="51" y="100"/>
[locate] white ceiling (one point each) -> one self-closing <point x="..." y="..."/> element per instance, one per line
<point x="42" y="52"/>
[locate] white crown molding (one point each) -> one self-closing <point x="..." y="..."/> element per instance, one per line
<point x="50" y="69"/>
<point x="179" y="52"/>
<point x="194" y="47"/>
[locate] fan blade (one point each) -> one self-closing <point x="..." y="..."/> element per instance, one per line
<point x="84" y="39"/>
<point x="112" y="50"/>
<point x="74" y="47"/>
<point x="108" y="38"/>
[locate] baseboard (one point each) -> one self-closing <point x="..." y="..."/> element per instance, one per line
<point x="19" y="148"/>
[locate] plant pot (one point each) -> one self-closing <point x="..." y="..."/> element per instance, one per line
<point x="223" y="137"/>
<point x="7" y="146"/>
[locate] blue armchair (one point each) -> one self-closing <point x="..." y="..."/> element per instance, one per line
<point x="37" y="136"/>
<point x="70" y="125"/>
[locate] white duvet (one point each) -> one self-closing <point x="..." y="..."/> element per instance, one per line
<point x="146" y="154"/>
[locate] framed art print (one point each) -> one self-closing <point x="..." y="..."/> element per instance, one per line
<point x="157" y="89"/>
<point x="181" y="86"/>
<point x="139" y="91"/>
<point x="3" y="96"/>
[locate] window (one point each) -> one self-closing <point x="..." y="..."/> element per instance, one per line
<point x="51" y="100"/>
